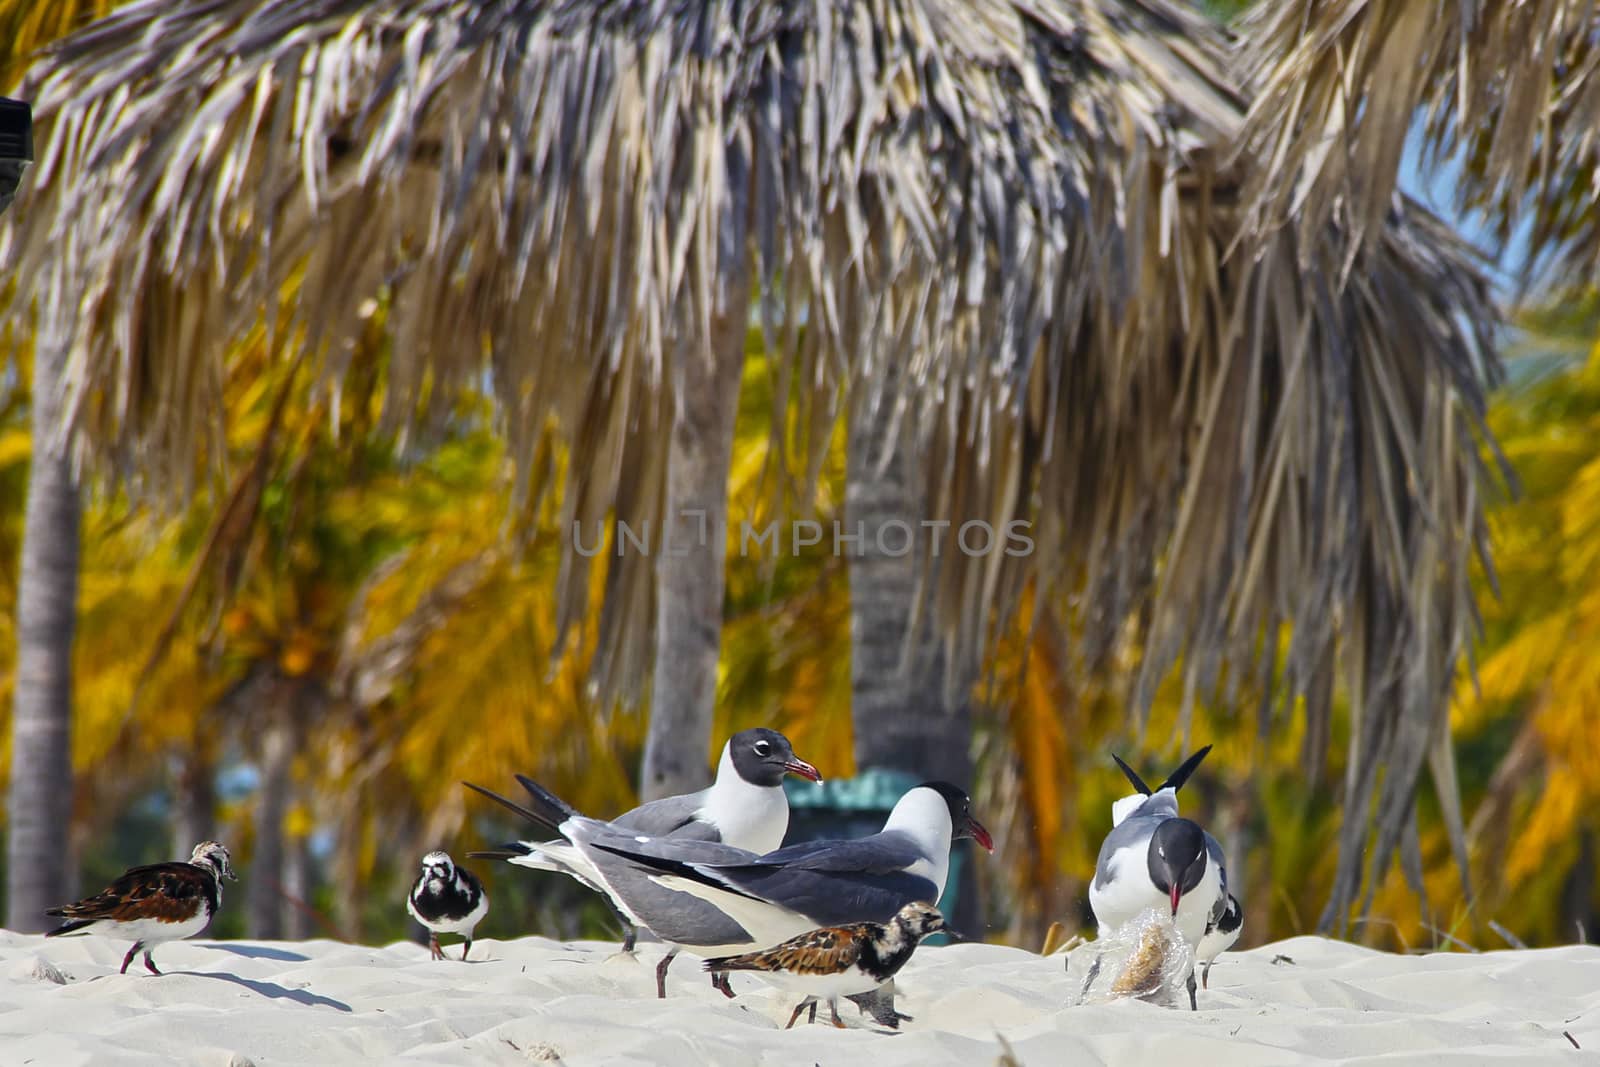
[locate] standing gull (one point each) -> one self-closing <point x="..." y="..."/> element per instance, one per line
<point x="1153" y="858"/>
<point x="824" y="883"/>
<point x="744" y="809"/>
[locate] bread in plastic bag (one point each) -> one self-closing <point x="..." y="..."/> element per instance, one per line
<point x="1145" y="958"/>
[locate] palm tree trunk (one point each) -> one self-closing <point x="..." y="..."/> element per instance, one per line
<point x="194" y="799"/>
<point x="40" y="800"/>
<point x="297" y="887"/>
<point x="690" y="560"/>
<point x="905" y="715"/>
<point x="909" y="711"/>
<point x="267" y="862"/>
<point x="345" y="871"/>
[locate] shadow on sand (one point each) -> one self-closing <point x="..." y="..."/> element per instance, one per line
<point x="273" y="991"/>
<point x="255" y="952"/>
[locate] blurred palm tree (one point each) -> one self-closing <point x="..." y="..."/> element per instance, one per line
<point x="1529" y="733"/>
<point x="39" y="803"/>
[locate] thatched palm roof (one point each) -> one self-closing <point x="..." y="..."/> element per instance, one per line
<point x="1024" y="206"/>
<point x="1514" y="85"/>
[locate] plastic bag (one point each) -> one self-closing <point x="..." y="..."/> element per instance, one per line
<point x="1145" y="958"/>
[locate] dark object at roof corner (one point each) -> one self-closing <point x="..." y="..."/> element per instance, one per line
<point x="16" y="146"/>
<point x="16" y="131"/>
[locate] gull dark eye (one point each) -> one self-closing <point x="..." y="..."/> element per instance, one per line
<point x="763" y="749"/>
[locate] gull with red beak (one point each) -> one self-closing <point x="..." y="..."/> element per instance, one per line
<point x="1154" y="858"/>
<point x="783" y="894"/>
<point x="744" y="808"/>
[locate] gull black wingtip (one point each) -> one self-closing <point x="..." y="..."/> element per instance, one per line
<point x="512" y="805"/>
<point x="666" y="865"/>
<point x="504" y="852"/>
<point x="1138" y="783"/>
<point x="545" y="798"/>
<point x="1177" y="778"/>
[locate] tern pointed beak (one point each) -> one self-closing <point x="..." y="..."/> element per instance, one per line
<point x="800" y="767"/>
<point x="979" y="834"/>
<point x="1177" y="894"/>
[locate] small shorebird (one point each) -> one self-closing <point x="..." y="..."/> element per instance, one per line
<point x="447" y="899"/>
<point x="1221" y="933"/>
<point x="744" y="808"/>
<point x="1153" y="858"/>
<point x="840" y="961"/>
<point x="153" y="904"/>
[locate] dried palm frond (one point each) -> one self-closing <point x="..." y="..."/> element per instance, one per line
<point x="1008" y="223"/>
<point x="1514" y="84"/>
<point x="561" y="194"/>
<point x="26" y="26"/>
<point x="1262" y="454"/>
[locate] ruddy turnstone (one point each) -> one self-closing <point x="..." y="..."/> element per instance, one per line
<point x="153" y="904"/>
<point x="839" y="961"/>
<point x="447" y="900"/>
<point x="745" y="807"/>
<point x="1153" y="858"/>
<point x="1221" y="933"/>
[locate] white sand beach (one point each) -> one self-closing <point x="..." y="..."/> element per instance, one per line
<point x="532" y="1000"/>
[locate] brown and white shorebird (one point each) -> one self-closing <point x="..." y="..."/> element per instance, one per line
<point x="447" y="900"/>
<point x="153" y="904"/>
<point x="840" y="961"/>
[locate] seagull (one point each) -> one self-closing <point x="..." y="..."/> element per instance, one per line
<point x="745" y="807"/>
<point x="153" y="904"/>
<point x="744" y="812"/>
<point x="1153" y="858"/>
<point x="837" y="961"/>
<point x="1221" y="932"/>
<point x="677" y="919"/>
<point x="822" y="883"/>
<point x="447" y="900"/>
